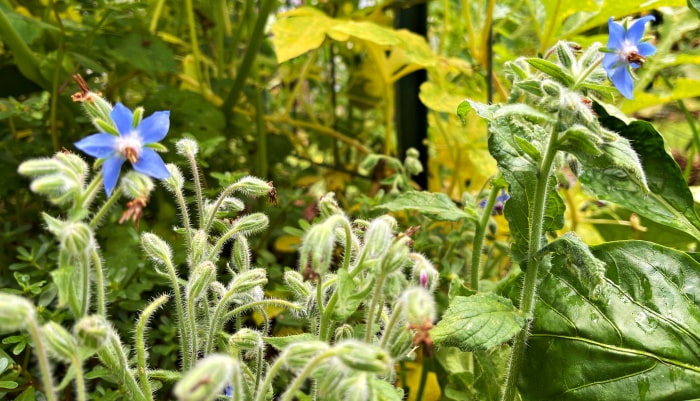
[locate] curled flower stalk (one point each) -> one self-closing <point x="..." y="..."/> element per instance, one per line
<point x="626" y="52"/>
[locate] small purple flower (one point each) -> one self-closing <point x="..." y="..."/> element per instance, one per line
<point x="129" y="145"/>
<point x="500" y="202"/>
<point x="626" y="53"/>
<point x="423" y="279"/>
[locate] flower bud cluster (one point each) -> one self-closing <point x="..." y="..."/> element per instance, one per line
<point x="61" y="178"/>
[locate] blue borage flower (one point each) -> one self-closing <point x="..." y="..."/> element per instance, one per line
<point x="129" y="145"/>
<point x="626" y="53"/>
<point x="500" y="202"/>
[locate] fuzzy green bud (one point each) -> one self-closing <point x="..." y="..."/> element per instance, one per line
<point x="418" y="306"/>
<point x="75" y="237"/>
<point x="364" y="357"/>
<point x="400" y="343"/>
<point x="202" y="275"/>
<point x="187" y="147"/>
<point x="295" y="282"/>
<point x="240" y="254"/>
<point x="92" y="331"/>
<point x="253" y="186"/>
<point x="175" y="182"/>
<point x="76" y="167"/>
<point x="378" y="237"/>
<point x="96" y="106"/>
<point x="136" y="185"/>
<point x="297" y="355"/>
<point x="397" y="256"/>
<point x="199" y="248"/>
<point x="344" y="332"/>
<point x="157" y="249"/>
<point x="246" y="340"/>
<point x="59" y="341"/>
<point x="317" y="248"/>
<point x="229" y="207"/>
<point x="551" y="88"/>
<point x="206" y="381"/>
<point x="357" y="388"/>
<point x="424" y="273"/>
<point x="412" y="162"/>
<point x="328" y="206"/>
<point x="245" y="281"/>
<point x="15" y="313"/>
<point x="39" y="167"/>
<point x="249" y="224"/>
<point x="54" y="186"/>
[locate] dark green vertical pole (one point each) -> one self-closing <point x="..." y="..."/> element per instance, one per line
<point x="411" y="114"/>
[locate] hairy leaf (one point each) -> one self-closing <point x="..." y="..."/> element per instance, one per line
<point x="635" y="336"/>
<point x="480" y="321"/>
<point x="437" y="206"/>
<point x="669" y="200"/>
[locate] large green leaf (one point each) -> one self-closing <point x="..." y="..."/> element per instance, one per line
<point x="669" y="200"/>
<point x="299" y="31"/>
<point x="634" y="335"/>
<point x="437" y="206"/>
<point x="478" y="322"/>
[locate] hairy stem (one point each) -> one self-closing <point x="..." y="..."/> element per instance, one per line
<point x="373" y="306"/>
<point x="99" y="282"/>
<point x="141" y="365"/>
<point x="185" y="339"/>
<point x="40" y="350"/>
<point x="529" y="291"/>
<point x="475" y="267"/>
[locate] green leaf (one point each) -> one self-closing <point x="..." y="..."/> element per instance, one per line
<point x="669" y="200"/>
<point x="463" y="109"/>
<point x="299" y="31"/>
<point x="478" y="322"/>
<point x="695" y="6"/>
<point x="437" y="206"/>
<point x="636" y="336"/>
<point x="350" y="296"/>
<point x="8" y="384"/>
<point x="527" y="148"/>
<point x="521" y="173"/>
<point x="553" y="70"/>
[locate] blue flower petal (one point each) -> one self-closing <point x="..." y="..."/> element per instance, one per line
<point x="151" y="164"/>
<point x="636" y="30"/>
<point x="646" y="49"/>
<point x="97" y="145"/>
<point x="154" y="127"/>
<point x="622" y="80"/>
<point x="110" y="170"/>
<point x="123" y="118"/>
<point x="617" y="34"/>
<point x="609" y="61"/>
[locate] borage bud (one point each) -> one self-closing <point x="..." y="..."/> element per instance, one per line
<point x="378" y="237"/>
<point x="15" y="313"/>
<point x="249" y="224"/>
<point x="77" y="167"/>
<point x="397" y="255"/>
<point x="202" y="275"/>
<point x="157" y="249"/>
<point x="199" y="249"/>
<point x="364" y="357"/>
<point x="75" y="237"/>
<point x="412" y="162"/>
<point x="424" y="273"/>
<point x="295" y="282"/>
<point x="317" y="248"/>
<point x="92" y="331"/>
<point x="253" y="186"/>
<point x="136" y="185"/>
<point x="418" y="306"/>
<point x="244" y="281"/>
<point x="344" y="332"/>
<point x="246" y="340"/>
<point x="39" y="167"/>
<point x="327" y="206"/>
<point x="59" y="341"/>
<point x="187" y="147"/>
<point x="176" y="180"/>
<point x="297" y="355"/>
<point x="206" y="381"/>
<point x="240" y="255"/>
<point x="56" y="186"/>
<point x="357" y="388"/>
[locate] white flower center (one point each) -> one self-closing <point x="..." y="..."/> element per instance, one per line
<point x="628" y="49"/>
<point x="130" y="146"/>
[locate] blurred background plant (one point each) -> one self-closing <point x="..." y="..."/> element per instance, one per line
<point x="311" y="96"/>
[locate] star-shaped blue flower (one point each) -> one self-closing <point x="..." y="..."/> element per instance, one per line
<point x="626" y="53"/>
<point x="129" y="145"/>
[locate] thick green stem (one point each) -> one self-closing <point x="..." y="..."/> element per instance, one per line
<point x="529" y="291"/>
<point x="396" y="313"/>
<point x="185" y="338"/>
<point x="271" y="373"/>
<point x="475" y="267"/>
<point x="185" y="214"/>
<point x="35" y="333"/>
<point x="197" y="189"/>
<point x="79" y="379"/>
<point x="99" y="282"/>
<point x="141" y="365"/>
<point x="192" y="320"/>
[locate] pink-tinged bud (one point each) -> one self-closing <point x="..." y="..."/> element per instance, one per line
<point x="423" y="279"/>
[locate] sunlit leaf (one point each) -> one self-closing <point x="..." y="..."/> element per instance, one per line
<point x="437" y="206"/>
